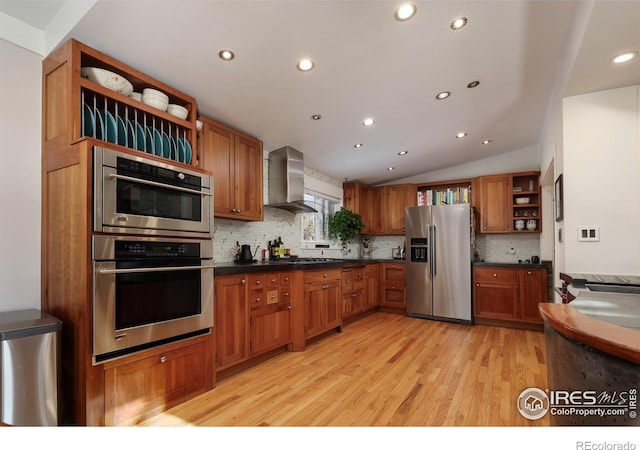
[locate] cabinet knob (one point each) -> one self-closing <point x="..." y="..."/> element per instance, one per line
<point x="238" y="211"/>
<point x="163" y="359"/>
<point x="325" y="287"/>
<point x="243" y="281"/>
<point x="495" y="274"/>
<point x="273" y="280"/>
<point x="257" y="281"/>
<point x="289" y="307"/>
<point x="478" y="284"/>
<point x="233" y="210"/>
<point x="325" y="275"/>
<point x="485" y="228"/>
<point x="286" y="294"/>
<point x="529" y="273"/>
<point x="258" y="300"/>
<point x="286" y="278"/>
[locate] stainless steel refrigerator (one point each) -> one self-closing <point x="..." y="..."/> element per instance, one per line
<point x="438" y="267"/>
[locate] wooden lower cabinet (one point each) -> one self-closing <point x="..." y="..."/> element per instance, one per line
<point x="509" y="294"/>
<point x="352" y="292"/>
<point x="371" y="296"/>
<point x="253" y="315"/>
<point x="322" y="301"/>
<point x="393" y="286"/>
<point x="231" y="320"/>
<point x="140" y="386"/>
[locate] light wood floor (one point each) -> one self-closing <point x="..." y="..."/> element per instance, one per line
<point x="383" y="370"/>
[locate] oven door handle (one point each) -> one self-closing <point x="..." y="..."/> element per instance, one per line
<point x="154" y="183"/>
<point x="151" y="269"/>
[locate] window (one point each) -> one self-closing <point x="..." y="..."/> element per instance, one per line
<point x="315" y="225"/>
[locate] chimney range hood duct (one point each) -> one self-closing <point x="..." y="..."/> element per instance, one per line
<point x="286" y="180"/>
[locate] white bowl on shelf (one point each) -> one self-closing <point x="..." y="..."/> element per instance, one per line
<point x="522" y="200"/>
<point x="154" y="93"/>
<point x="136" y="96"/>
<point x="158" y="104"/>
<point x="108" y="79"/>
<point x="179" y="111"/>
<point x="532" y="224"/>
<point x="519" y="224"/>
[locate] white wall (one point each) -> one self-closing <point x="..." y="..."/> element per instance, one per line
<point x="20" y="148"/>
<point x="602" y="180"/>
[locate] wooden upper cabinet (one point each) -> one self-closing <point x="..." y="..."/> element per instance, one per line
<point x="381" y="207"/>
<point x="236" y="161"/>
<point x="494" y="204"/>
<point x="395" y="198"/>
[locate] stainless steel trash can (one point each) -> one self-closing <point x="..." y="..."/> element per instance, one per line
<point x="29" y="367"/>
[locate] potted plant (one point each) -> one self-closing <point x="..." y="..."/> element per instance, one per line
<point x="345" y="225"/>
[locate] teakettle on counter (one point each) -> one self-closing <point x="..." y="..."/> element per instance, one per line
<point x="245" y="255"/>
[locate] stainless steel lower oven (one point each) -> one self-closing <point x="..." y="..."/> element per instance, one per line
<point x="148" y="291"/>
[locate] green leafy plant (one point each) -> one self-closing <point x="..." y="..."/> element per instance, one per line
<point x="345" y="225"/>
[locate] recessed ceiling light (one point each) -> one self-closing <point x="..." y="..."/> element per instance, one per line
<point x="368" y="122"/>
<point x="391" y="168"/>
<point x="403" y="152"/>
<point x="486" y="141"/>
<point x="473" y="84"/>
<point x="458" y="23"/>
<point x="305" y="65"/>
<point x="358" y="145"/>
<point x="316" y="117"/>
<point x="624" y="57"/>
<point x="443" y="95"/>
<point x="461" y="134"/>
<point x="406" y="12"/>
<point x="226" y="55"/>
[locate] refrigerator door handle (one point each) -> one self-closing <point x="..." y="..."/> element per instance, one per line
<point x="434" y="262"/>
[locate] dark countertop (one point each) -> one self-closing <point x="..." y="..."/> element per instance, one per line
<point x="509" y="265"/>
<point x="230" y="268"/>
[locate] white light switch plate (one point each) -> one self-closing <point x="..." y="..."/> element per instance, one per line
<point x="588" y="233"/>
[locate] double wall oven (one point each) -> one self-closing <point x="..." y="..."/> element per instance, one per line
<point x="152" y="253"/>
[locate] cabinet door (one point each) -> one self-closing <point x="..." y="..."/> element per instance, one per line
<point x="371" y="294"/>
<point x="496" y="300"/>
<point x="495" y="204"/>
<point x="270" y="328"/>
<point x="232" y="320"/>
<point x="140" y="389"/>
<point x="373" y="199"/>
<point x="314" y="309"/>
<point x="396" y="199"/>
<point x="248" y="179"/>
<point x="533" y="290"/>
<point x="333" y="302"/>
<point x="218" y="158"/>
<point x="393" y="296"/>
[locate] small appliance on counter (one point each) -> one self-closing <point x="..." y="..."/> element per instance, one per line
<point x="244" y="255"/>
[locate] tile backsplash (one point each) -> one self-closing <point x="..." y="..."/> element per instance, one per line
<point x="497" y="247"/>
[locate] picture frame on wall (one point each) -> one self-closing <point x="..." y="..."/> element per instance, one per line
<point x="558" y="200"/>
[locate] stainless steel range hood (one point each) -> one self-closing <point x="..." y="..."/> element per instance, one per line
<point x="286" y="180"/>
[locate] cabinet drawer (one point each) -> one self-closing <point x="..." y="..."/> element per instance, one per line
<point x="285" y="294"/>
<point x="257" y="297"/>
<point x="347" y="280"/>
<point x="319" y="276"/>
<point x="272" y="280"/>
<point x="370" y="269"/>
<point x="495" y="274"/>
<point x="257" y="280"/>
<point x="285" y="278"/>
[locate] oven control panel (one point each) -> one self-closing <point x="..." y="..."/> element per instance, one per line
<point x="138" y="249"/>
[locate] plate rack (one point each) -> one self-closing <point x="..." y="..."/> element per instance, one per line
<point x="118" y="122"/>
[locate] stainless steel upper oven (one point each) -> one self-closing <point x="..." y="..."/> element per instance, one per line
<point x="134" y="194"/>
<point x="149" y="290"/>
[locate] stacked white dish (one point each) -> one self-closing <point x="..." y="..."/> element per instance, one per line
<point x="107" y="79"/>
<point x="176" y="110"/>
<point x="155" y="98"/>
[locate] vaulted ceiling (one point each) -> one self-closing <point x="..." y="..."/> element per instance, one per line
<point x="367" y="64"/>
